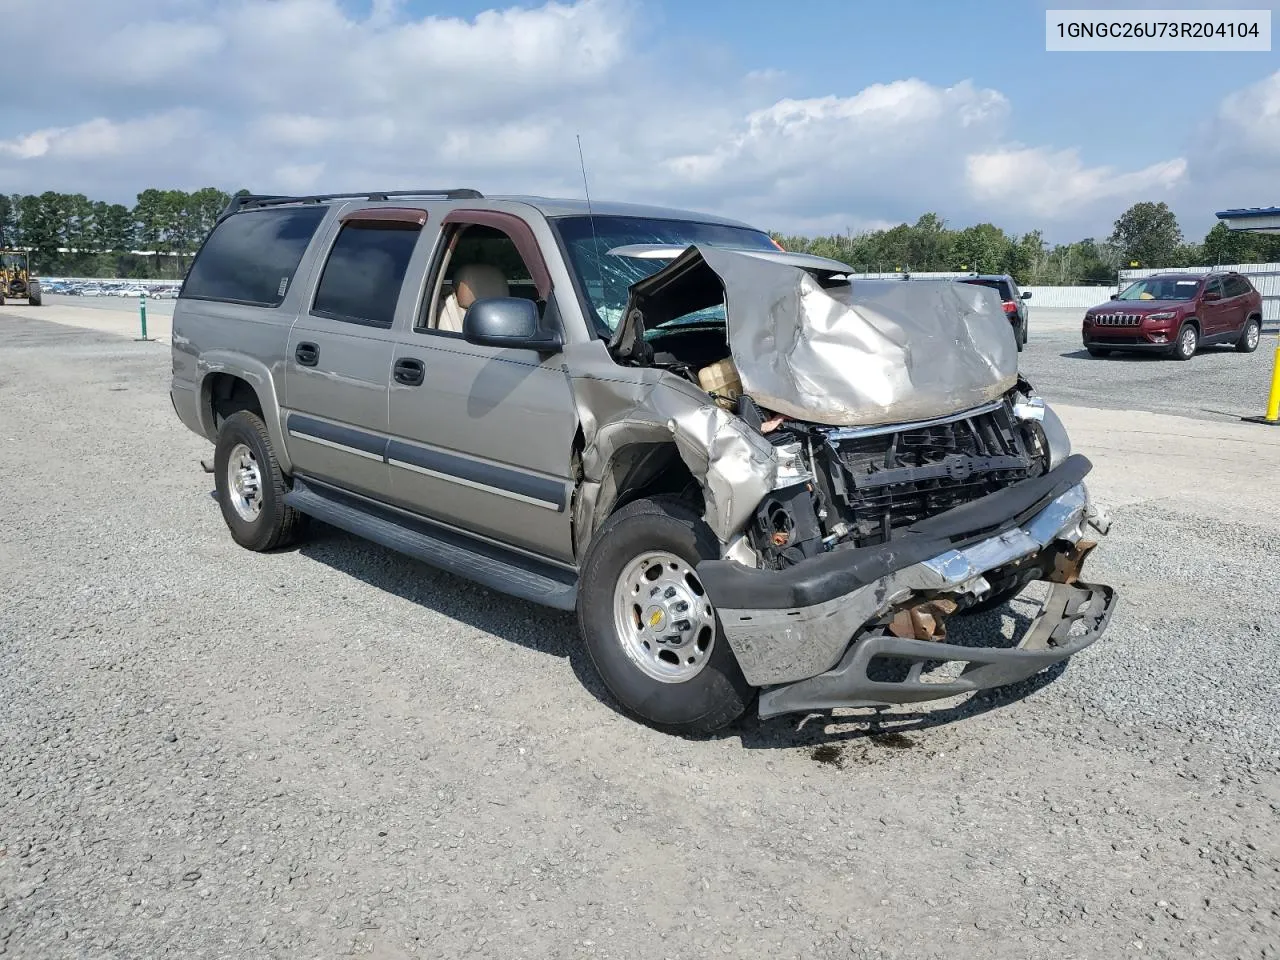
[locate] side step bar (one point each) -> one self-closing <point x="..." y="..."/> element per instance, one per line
<point x="455" y="553"/>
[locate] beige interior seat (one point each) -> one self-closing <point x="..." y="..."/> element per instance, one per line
<point x="472" y="282"/>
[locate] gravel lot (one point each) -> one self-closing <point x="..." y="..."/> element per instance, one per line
<point x="335" y="751"/>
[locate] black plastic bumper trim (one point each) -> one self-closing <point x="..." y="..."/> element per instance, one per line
<point x="1047" y="641"/>
<point x="733" y="586"/>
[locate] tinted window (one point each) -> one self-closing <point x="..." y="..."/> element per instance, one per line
<point x="1162" y="288"/>
<point x="1214" y="286"/>
<point x="1237" y="286"/>
<point x="1000" y="286"/>
<point x="251" y="257"/>
<point x="365" y="270"/>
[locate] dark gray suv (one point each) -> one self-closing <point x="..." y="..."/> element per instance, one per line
<point x="750" y="476"/>
<point x="1012" y="300"/>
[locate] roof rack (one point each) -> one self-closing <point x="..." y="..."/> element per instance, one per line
<point x="268" y="200"/>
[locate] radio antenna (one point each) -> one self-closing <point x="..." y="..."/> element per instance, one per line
<point x="595" y="239"/>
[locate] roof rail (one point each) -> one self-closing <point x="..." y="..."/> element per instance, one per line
<point x="268" y="200"/>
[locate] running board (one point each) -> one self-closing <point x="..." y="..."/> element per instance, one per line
<point x="485" y="563"/>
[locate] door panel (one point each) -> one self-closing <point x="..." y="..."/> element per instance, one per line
<point x="1214" y="314"/>
<point x="337" y="406"/>
<point x="485" y="442"/>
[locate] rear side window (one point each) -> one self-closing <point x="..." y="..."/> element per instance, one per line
<point x="365" y="270"/>
<point x="1237" y="286"/>
<point x="251" y="257"/>
<point x="999" y="286"/>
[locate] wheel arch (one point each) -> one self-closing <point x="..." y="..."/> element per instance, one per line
<point x="231" y="382"/>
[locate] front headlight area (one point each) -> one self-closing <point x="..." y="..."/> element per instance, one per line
<point x="1041" y="424"/>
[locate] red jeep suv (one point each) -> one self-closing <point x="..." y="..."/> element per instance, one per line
<point x="1175" y="314"/>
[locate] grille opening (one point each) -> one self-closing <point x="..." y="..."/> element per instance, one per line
<point x="894" y="480"/>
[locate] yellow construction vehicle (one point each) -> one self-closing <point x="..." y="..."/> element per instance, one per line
<point x="16" y="282"/>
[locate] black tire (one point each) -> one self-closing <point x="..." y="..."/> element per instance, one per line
<point x="276" y="524"/>
<point x="1098" y="351"/>
<point x="1184" y="348"/>
<point x="1252" y="326"/>
<point x="715" y="696"/>
<point x="1020" y="335"/>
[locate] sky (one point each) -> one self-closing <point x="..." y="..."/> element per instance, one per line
<point x="813" y="116"/>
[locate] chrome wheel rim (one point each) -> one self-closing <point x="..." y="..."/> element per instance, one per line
<point x="662" y="617"/>
<point x="244" y="483"/>
<point x="1189" y="341"/>
<point x="1251" y="335"/>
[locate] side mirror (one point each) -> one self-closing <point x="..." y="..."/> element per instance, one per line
<point x="1026" y="294"/>
<point x="1210" y="296"/>
<point x="508" y="322"/>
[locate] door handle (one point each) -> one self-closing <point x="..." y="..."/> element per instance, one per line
<point x="307" y="354"/>
<point x="409" y="370"/>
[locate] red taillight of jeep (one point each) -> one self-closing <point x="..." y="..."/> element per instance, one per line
<point x="1010" y="307"/>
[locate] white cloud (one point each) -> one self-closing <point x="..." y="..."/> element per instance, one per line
<point x="283" y="95"/>
<point x="101" y="138"/>
<point x="1053" y="184"/>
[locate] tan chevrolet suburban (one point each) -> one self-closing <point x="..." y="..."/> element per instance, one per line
<point x="756" y="480"/>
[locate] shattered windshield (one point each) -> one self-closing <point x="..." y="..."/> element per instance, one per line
<point x="606" y="277"/>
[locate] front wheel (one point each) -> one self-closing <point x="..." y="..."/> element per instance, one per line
<point x="1252" y="334"/>
<point x="1184" y="348"/>
<point x="649" y="626"/>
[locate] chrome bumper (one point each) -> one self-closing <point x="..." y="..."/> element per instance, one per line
<point x="783" y="646"/>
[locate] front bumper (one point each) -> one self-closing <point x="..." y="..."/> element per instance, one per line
<point x="1131" y="343"/>
<point x="811" y="632"/>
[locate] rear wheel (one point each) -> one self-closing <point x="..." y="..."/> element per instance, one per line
<point x="1252" y="334"/>
<point x="649" y="627"/>
<point x="251" y="486"/>
<point x="1184" y="347"/>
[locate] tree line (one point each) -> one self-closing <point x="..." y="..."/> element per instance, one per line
<point x="68" y="234"/>
<point x="1145" y="235"/>
<point x="71" y="235"/>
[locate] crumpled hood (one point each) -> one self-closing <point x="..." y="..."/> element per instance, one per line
<point x="845" y="354"/>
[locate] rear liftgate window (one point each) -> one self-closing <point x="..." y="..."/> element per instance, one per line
<point x="365" y="270"/>
<point x="251" y="257"/>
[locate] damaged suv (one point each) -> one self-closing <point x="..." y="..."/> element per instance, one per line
<point x="755" y="480"/>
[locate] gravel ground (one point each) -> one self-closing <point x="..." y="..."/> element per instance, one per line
<point x="335" y="751"/>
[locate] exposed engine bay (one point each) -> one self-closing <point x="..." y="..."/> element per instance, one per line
<point x="855" y="487"/>
<point x="858" y="487"/>
<point x="873" y="354"/>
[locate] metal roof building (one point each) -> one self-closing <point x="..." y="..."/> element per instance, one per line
<point x="1252" y="219"/>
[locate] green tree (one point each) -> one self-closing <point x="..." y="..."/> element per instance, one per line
<point x="40" y="220"/>
<point x="1148" y="233"/>
<point x="983" y="248"/>
<point x="116" y="222"/>
<point x="929" y="244"/>
<point x="151" y="216"/>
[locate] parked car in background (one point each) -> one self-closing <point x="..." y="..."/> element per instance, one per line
<point x="1012" y="299"/>
<point x="1175" y="314"/>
